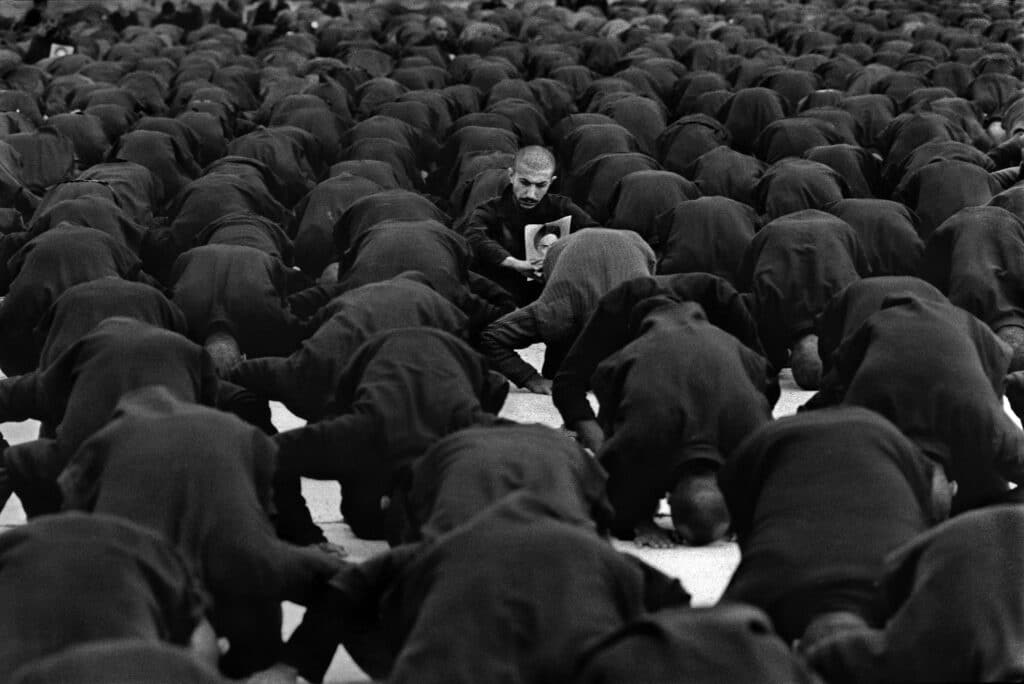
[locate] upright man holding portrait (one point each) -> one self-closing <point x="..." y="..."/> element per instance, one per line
<point x="496" y="229"/>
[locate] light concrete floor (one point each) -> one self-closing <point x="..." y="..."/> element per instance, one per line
<point x="703" y="571"/>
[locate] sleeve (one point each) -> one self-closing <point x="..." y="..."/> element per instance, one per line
<point x="245" y="404"/>
<point x="306" y="302"/>
<point x="264" y="376"/>
<point x="329" y="449"/>
<point x="1005" y="178"/>
<point x="500" y="339"/>
<point x="491" y="292"/>
<point x="348" y="612"/>
<point x="479" y="312"/>
<point x="605" y="333"/>
<point x="41" y="394"/>
<point x="476" y="229"/>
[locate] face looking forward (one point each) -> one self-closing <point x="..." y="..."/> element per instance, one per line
<point x="529" y="185"/>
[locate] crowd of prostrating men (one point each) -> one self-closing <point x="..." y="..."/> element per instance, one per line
<point x="363" y="211"/>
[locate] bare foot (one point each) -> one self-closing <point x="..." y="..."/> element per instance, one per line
<point x="651" y="536"/>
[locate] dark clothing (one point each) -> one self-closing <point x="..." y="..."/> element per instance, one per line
<point x="589" y="141"/>
<point x="494" y="231"/>
<point x="888" y="232"/>
<point x="92" y="212"/>
<point x="960" y="421"/>
<point x="317" y="213"/>
<point x="610" y="328"/>
<point x="84" y="306"/>
<point x="682" y="393"/>
<point x="794" y="137"/>
<point x="202" y="479"/>
<point x="748" y="112"/>
<point x="127" y="661"/>
<point x="86" y="133"/>
<point x="230" y="185"/>
<point x="938" y="190"/>
<point x="248" y="229"/>
<point x="402" y="390"/>
<point x="705" y="235"/>
<point x="118" y="661"/>
<point x="390" y="248"/>
<point x="793" y="267"/>
<point x="403" y="615"/>
<point x="388" y="205"/>
<point x="466" y="472"/>
<point x="134" y="187"/>
<point x="578" y="271"/>
<point x="591" y="185"/>
<point x="86" y="566"/>
<point x="722" y="171"/>
<point x="686" y="139"/>
<point x="47" y="157"/>
<point x="727" y="644"/>
<point x="238" y="290"/>
<point x="307" y="381"/>
<point x="858" y="167"/>
<point x="955" y="597"/>
<point x="169" y="160"/>
<point x="283" y="156"/>
<point x="81" y="388"/>
<point x="817" y="501"/>
<point x="851" y="307"/>
<point x="639" y="197"/>
<point x="976" y="257"/>
<point x="793" y="185"/>
<point x="43" y="269"/>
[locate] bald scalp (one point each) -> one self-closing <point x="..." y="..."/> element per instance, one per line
<point x="533" y="158"/>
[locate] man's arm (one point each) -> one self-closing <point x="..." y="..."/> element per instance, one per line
<point x="477" y="229"/>
<point x="329" y="449"/>
<point x="22" y="397"/>
<point x="499" y="341"/>
<point x="605" y="333"/>
<point x="306" y="303"/>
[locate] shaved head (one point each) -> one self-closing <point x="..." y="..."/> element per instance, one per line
<point x="534" y="158"/>
<point x="223" y="349"/>
<point x="532" y="172"/>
